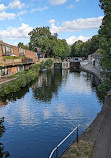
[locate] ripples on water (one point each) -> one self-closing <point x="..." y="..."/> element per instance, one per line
<point x="38" y="117"/>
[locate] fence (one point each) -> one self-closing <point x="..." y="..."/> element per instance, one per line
<point x="57" y="147"/>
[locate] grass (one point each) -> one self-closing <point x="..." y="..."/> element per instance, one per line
<point x="80" y="150"/>
<point x="11" y="57"/>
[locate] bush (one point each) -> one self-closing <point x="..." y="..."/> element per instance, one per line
<point x="104" y="87"/>
<point x="11" y="57"/>
<point x="48" y="63"/>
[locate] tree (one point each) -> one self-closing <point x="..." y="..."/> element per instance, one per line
<point x="66" y="50"/>
<point x="53" y="47"/>
<point x="20" y="44"/>
<point x="105" y="42"/>
<point x="76" y="48"/>
<point x="94" y="44"/>
<point x="83" y="49"/>
<point x="39" y="37"/>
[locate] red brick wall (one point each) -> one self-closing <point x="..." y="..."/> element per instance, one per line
<point x="12" y="70"/>
<point x="0" y="50"/>
<point x="16" y="51"/>
<point x="30" y="54"/>
<point x="26" y="66"/>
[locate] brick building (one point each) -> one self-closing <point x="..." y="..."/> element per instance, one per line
<point x="14" y="59"/>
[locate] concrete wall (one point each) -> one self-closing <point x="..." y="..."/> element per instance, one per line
<point x="66" y="65"/>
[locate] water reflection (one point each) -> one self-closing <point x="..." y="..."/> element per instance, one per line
<point x="47" y="85"/>
<point x="94" y="84"/>
<point x="3" y="153"/>
<point x="16" y="95"/>
<point x="43" y="113"/>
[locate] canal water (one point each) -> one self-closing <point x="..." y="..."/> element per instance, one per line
<point x="34" y="120"/>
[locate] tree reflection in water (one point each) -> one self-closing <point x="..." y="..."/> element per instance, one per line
<point x="47" y="85"/>
<point x="3" y="153"/>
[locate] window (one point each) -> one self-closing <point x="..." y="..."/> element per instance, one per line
<point x="21" y="52"/>
<point x="7" y="50"/>
<point x="11" y="50"/>
<point x="3" y="49"/>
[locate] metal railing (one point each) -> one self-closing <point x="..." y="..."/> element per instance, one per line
<point x="56" y="148"/>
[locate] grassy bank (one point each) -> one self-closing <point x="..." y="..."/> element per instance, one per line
<point x="23" y="78"/>
<point x="81" y="150"/>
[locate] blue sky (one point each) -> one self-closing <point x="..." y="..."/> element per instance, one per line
<point x="71" y="19"/>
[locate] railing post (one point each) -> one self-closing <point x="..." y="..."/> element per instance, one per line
<point x="56" y="148"/>
<point x="57" y="153"/>
<point x="77" y="134"/>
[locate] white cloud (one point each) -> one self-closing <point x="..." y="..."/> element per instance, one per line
<point x="73" y="39"/>
<point x="77" y="0"/>
<point x="16" y="4"/>
<point x="77" y="25"/>
<point x="2" y="7"/>
<point x="7" y="16"/>
<point x="70" y="6"/>
<point x="57" y="2"/>
<point x="52" y="21"/>
<point x="40" y="9"/>
<point x="22" y="12"/>
<point x="16" y="33"/>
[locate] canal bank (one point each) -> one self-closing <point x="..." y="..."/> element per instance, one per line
<point x="96" y="139"/>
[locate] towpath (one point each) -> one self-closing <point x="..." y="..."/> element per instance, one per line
<point x="91" y="68"/>
<point x="102" y="147"/>
<point x="6" y="79"/>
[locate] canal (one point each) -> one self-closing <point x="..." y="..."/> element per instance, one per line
<point x="34" y="120"/>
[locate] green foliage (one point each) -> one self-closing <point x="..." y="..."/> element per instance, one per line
<point x="105" y="87"/>
<point x="42" y="65"/>
<point x="39" y="37"/>
<point x="105" y="44"/>
<point x="48" y="63"/>
<point x="11" y="57"/>
<point x="76" y="48"/>
<point x="83" y="49"/>
<point x="49" y="87"/>
<point x="20" y="44"/>
<point x="53" y="47"/>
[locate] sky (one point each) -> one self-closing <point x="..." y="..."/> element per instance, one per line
<point x="72" y="19"/>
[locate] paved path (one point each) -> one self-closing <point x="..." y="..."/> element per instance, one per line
<point x="91" y="68"/>
<point x="103" y="144"/>
<point x="8" y="80"/>
<point x="5" y="80"/>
